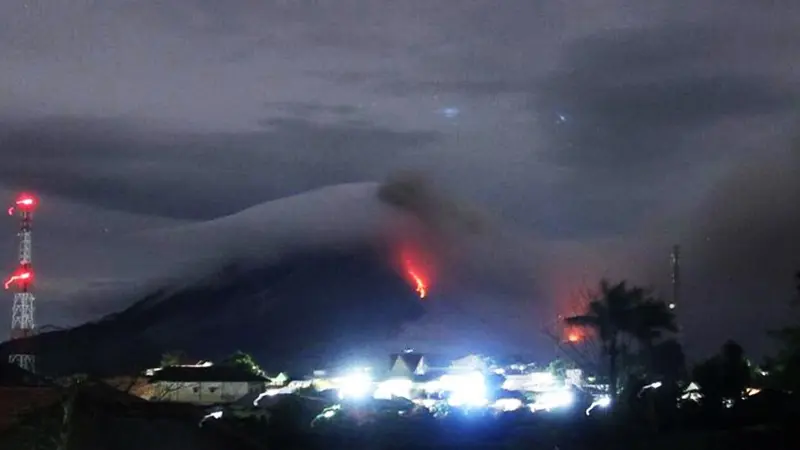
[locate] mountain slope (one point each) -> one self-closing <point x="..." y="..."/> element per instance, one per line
<point x="299" y="282"/>
<point x="302" y="312"/>
<point x="295" y="281"/>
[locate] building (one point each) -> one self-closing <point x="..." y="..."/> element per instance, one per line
<point x="470" y="363"/>
<point x="204" y="385"/>
<point x="407" y="364"/>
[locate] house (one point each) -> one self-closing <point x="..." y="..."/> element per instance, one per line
<point x="470" y="363"/>
<point x="407" y="364"/>
<point x="205" y="385"/>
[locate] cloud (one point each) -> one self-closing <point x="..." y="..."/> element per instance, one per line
<point x="129" y="167"/>
<point x="747" y="230"/>
<point x="633" y="98"/>
<point x="605" y="128"/>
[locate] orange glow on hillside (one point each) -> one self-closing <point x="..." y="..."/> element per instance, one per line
<point x="416" y="276"/>
<point x="421" y="289"/>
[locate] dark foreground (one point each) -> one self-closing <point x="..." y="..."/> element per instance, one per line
<point x="687" y="430"/>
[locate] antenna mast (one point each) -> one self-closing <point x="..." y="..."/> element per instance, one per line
<point x="676" y="276"/>
<point x="23" y="311"/>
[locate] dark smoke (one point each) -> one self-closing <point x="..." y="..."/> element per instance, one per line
<point x="741" y="251"/>
<point x="470" y="245"/>
<point x="748" y="229"/>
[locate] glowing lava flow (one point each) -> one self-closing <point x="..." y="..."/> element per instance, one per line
<point x="415" y="275"/>
<point x="421" y="289"/>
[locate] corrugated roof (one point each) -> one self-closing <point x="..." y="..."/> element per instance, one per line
<point x="411" y="360"/>
<point x="213" y="373"/>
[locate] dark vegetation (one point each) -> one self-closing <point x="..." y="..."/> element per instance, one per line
<point x="636" y="334"/>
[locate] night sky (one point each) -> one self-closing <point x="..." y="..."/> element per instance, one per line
<point x="602" y="130"/>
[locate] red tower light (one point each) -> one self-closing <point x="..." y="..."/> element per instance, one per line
<point x="21" y="276"/>
<point x="23" y="323"/>
<point x="26" y="202"/>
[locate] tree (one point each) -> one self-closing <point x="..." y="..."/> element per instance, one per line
<point x="558" y="367"/>
<point x="243" y="361"/>
<point x="668" y="361"/>
<point x="785" y="367"/>
<point x="172" y="358"/>
<point x="734" y="370"/>
<point x="617" y="311"/>
<point x="724" y="376"/>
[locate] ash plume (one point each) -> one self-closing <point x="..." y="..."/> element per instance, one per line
<point x="469" y="244"/>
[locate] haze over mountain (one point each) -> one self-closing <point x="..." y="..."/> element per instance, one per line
<point x="304" y="280"/>
<point x="608" y="130"/>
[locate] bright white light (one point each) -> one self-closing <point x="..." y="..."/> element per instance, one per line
<point x="655" y="385"/>
<point x="465" y="389"/>
<point x="458" y="400"/>
<point x="212" y="415"/>
<point x="508" y="404"/>
<point x="450" y="112"/>
<point x="554" y="399"/>
<point x="355" y="386"/>
<point x="603" y="401"/>
<point x="395" y="387"/>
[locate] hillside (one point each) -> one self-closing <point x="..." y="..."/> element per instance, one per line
<point x="295" y="281"/>
<point x="301" y="312"/>
<point x="299" y="282"/>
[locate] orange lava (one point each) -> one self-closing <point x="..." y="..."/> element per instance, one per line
<point x="413" y="270"/>
<point x="421" y="289"/>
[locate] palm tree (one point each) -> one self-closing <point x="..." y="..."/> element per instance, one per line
<point x="617" y="311"/>
<point x="651" y="318"/>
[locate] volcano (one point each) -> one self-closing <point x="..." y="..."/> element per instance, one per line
<point x="306" y="311"/>
<point x="298" y="282"/>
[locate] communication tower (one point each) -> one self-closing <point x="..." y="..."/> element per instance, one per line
<point x="23" y="311"/>
<point x="675" y="259"/>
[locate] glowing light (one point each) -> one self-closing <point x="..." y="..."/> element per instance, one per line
<point x="508" y="404"/>
<point x="574" y="337"/>
<point x="655" y="385"/>
<point x="355" y="386"/>
<point x="18" y="277"/>
<point x="421" y="289"/>
<point x="603" y="401"/>
<point x="394" y="387"/>
<point x="414" y="274"/>
<point x="465" y="389"/>
<point x="25" y="202"/>
<point x="554" y="399"/>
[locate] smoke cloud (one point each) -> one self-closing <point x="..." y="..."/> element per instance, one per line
<point x="470" y="245"/>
